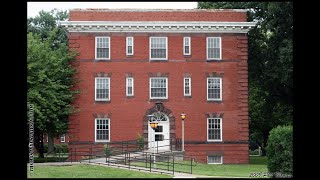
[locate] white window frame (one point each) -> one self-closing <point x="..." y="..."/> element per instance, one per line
<point x="184" y="45"/>
<point x="63" y="138"/>
<point x="95" y="89"/>
<point x="150" y="48"/>
<point x="212" y="99"/>
<point x="95" y="47"/>
<point x="207" y="47"/>
<point x="215" y="163"/>
<point x="184" y="86"/>
<point x="127" y="45"/>
<point x="95" y="129"/>
<point x="214" y="140"/>
<point x="127" y="85"/>
<point x="167" y="82"/>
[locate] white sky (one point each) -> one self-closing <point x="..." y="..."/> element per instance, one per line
<point x="35" y="7"/>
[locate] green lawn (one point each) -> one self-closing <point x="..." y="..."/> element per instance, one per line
<point x="257" y="165"/>
<point x="88" y="171"/>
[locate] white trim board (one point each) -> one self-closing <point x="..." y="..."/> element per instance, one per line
<point x="158" y="26"/>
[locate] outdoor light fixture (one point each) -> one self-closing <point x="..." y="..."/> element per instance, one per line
<point x="183" y="116"/>
<point x="154" y="124"/>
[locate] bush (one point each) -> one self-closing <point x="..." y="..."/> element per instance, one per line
<point x="58" y="148"/>
<point x="279" y="151"/>
<point x="140" y="142"/>
<point x="107" y="150"/>
<point x="61" y="148"/>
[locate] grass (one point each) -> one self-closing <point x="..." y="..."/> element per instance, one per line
<point x="88" y="171"/>
<point x="257" y="165"/>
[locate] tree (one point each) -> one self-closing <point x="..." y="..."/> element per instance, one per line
<point x="50" y="77"/>
<point x="270" y="64"/>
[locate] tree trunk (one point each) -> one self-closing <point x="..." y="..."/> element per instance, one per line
<point x="264" y="143"/>
<point x="50" y="143"/>
<point x="38" y="142"/>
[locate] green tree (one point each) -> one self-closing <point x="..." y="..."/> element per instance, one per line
<point x="270" y="64"/>
<point x="50" y="80"/>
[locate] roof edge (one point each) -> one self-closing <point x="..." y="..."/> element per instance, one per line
<point x="157" y="10"/>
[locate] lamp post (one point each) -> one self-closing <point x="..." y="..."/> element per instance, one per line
<point x="153" y="125"/>
<point x="183" y="116"/>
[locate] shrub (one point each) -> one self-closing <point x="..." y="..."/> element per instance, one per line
<point x="140" y="141"/>
<point x="279" y="151"/>
<point x="107" y="150"/>
<point x="61" y="148"/>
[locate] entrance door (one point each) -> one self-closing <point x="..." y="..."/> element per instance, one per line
<point x="161" y="135"/>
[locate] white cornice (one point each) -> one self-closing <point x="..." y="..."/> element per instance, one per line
<point x="158" y="26"/>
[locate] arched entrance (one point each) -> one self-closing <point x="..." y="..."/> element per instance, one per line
<point x="166" y="133"/>
<point x="161" y="135"/>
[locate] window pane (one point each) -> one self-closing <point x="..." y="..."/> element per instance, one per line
<point x="102" y="47"/>
<point x="214" y="129"/>
<point x="159" y="129"/>
<point x="215" y="159"/>
<point x="158" y="47"/>
<point x="159" y="137"/>
<point x="102" y="88"/>
<point x="102" y="132"/>
<point x="214" y="88"/>
<point x="186" y="49"/>
<point x="130" y="90"/>
<point x="213" y="48"/>
<point x="129" y="49"/>
<point x="129" y="41"/>
<point x="158" y="87"/>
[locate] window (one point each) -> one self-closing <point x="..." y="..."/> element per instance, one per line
<point x="214" y="129"/>
<point x="158" y="48"/>
<point x="186" y="46"/>
<point x="63" y="138"/>
<point x="102" y="48"/>
<point x="129" y="84"/>
<point x="214" y="89"/>
<point x="216" y="159"/>
<point x="187" y="87"/>
<point x="102" y="130"/>
<point x="214" y="48"/>
<point x="102" y="89"/>
<point x="158" y="88"/>
<point x="129" y="48"/>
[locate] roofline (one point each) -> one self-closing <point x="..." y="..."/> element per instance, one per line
<point x="157" y="10"/>
<point x="158" y="26"/>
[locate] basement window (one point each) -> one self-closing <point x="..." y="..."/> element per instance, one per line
<point x="216" y="159"/>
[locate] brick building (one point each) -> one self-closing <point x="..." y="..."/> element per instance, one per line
<point x="136" y="62"/>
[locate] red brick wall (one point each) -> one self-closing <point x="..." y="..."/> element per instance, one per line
<point x="85" y="42"/>
<point x="202" y="15"/>
<point x="126" y="114"/>
<point x="57" y="139"/>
